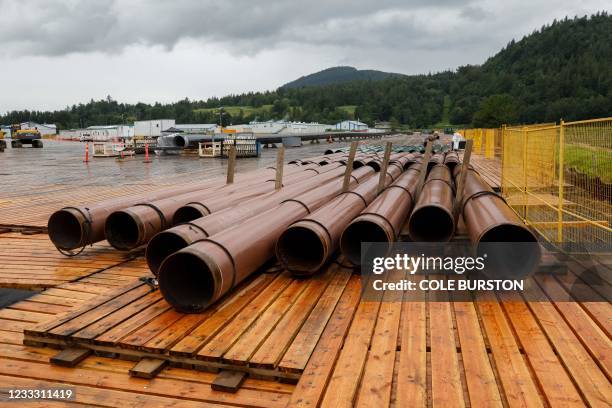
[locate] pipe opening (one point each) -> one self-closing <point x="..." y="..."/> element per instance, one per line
<point x="510" y="261"/>
<point x="357" y="164"/>
<point x="65" y="230"/>
<point x="300" y="249"/>
<point x="355" y="234"/>
<point x="185" y="214"/>
<point x="122" y="231"/>
<point x="180" y="141"/>
<point x="162" y="246"/>
<point x="375" y="165"/>
<point x="329" y="151"/>
<point x="431" y="224"/>
<point x="186" y="282"/>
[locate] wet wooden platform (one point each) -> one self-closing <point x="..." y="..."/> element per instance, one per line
<point x="32" y="262"/>
<point x="489" y="169"/>
<point x="488" y="352"/>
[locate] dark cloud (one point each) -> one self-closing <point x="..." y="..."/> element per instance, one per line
<point x="58" y="27"/>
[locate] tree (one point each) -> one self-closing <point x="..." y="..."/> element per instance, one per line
<point x="495" y="111"/>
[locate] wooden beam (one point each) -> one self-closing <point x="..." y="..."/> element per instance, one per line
<point x="424" y="165"/>
<point x="70" y="357"/>
<point x="148" y="368"/>
<point x="385" y="165"/>
<point x="231" y="164"/>
<point x="228" y="381"/>
<point x="349" y="166"/>
<point x="280" y="160"/>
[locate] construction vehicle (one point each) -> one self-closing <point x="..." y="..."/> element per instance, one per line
<point x="2" y="142"/>
<point x="20" y="136"/>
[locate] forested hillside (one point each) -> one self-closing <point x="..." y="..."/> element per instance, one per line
<point x="562" y="70"/>
<point x="338" y="75"/>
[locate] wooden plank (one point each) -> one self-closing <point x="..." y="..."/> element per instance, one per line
<point x="481" y="383"/>
<point x="314" y="380"/>
<point x="94" y="314"/>
<point x="148" y="367"/>
<point x="246" y="345"/>
<point x="445" y="375"/>
<point x="85" y="307"/>
<point x="214" y="349"/>
<point x="554" y="381"/>
<point x="271" y="351"/>
<point x="519" y="388"/>
<point x="159" y="386"/>
<point x="596" y="342"/>
<point x="375" y="390"/>
<point x="344" y="383"/>
<point x="298" y="353"/>
<point x="593" y="384"/>
<point x="411" y="372"/>
<point x="228" y="381"/>
<point x="191" y="343"/>
<point x="70" y="357"/>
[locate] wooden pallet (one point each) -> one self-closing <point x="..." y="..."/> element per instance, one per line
<point x="268" y="327"/>
<point x="32" y="262"/>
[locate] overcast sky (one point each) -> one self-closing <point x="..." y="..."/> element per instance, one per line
<point x="55" y="53"/>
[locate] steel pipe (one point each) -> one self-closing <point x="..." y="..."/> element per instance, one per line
<point x="75" y="227"/>
<point x="432" y="219"/>
<point x="134" y="226"/>
<point x="200" y="274"/>
<point x="490" y="220"/>
<point x="382" y="220"/>
<point x="167" y="242"/>
<point x="306" y="245"/>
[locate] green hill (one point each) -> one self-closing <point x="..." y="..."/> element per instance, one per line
<point x="338" y="75"/>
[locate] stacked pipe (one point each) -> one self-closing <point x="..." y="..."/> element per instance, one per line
<point x="305" y="246"/>
<point x="382" y="220"/>
<point x="134" y="226"/>
<point x="196" y="276"/>
<point x="172" y="240"/>
<point x="432" y="219"/>
<point x="490" y="220"/>
<point x="77" y="226"/>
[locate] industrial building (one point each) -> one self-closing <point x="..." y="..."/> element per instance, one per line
<point x="98" y="133"/>
<point x="352" y="126"/>
<point x="152" y="128"/>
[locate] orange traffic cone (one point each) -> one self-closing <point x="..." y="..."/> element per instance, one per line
<point x="146" y="160"/>
<point x="86" y="153"/>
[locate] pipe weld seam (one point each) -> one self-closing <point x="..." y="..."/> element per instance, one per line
<point x="162" y="217"/>
<point x="481" y="194"/>
<point x="228" y="253"/>
<point x="376" y="215"/>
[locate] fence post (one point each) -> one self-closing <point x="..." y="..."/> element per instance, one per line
<point x="561" y="180"/>
<point x="524" y="130"/>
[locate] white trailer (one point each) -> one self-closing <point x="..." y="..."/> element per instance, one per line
<point x="152" y="128"/>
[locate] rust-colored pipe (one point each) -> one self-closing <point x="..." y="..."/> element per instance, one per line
<point x="136" y="225"/>
<point x="384" y="217"/>
<point x="305" y="246"/>
<point x="490" y="220"/>
<point x="198" y="208"/>
<point x="195" y="277"/>
<point x="432" y="219"/>
<point x="167" y="242"/>
<point x="451" y="160"/>
<point x="437" y="158"/>
<point x="75" y="227"/>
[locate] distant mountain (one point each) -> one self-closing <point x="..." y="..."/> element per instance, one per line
<point x="338" y="75"/>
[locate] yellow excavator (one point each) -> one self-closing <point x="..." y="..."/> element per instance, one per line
<point x="20" y="136"/>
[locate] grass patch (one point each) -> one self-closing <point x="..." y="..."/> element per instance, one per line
<point x="445" y="119"/>
<point x="593" y="162"/>
<point x="350" y="109"/>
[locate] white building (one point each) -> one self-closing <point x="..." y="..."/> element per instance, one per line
<point x="152" y="128"/>
<point x="352" y="126"/>
<point x="98" y="133"/>
<point x="282" y="127"/>
<point x="192" y="128"/>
